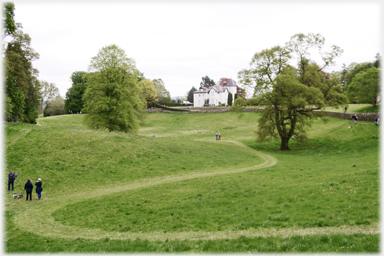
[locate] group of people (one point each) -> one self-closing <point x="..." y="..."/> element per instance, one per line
<point x="28" y="187"/>
<point x="218" y="137"/>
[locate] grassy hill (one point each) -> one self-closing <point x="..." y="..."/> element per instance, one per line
<point x="174" y="188"/>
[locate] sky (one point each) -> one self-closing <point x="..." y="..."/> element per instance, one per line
<point x="183" y="42"/>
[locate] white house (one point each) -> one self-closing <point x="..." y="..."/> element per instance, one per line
<point x="215" y="95"/>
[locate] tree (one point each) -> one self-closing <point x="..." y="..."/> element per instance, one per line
<point x="9" y="26"/>
<point x="148" y="91"/>
<point x="290" y="95"/>
<point x="74" y="96"/>
<point x="22" y="86"/>
<point x="162" y="93"/>
<point x="230" y="99"/>
<point x="54" y="106"/>
<point x="190" y="94"/>
<point x="365" y="86"/>
<point x="49" y="91"/>
<point x="206" y="81"/>
<point x="112" y="98"/>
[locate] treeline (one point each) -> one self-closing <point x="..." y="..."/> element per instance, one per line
<point x="26" y="97"/>
<point x="361" y="81"/>
<point x="153" y="91"/>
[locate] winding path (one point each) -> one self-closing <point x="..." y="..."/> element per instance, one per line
<point x="33" y="219"/>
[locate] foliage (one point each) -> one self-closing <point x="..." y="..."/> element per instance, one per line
<point x="356" y="68"/>
<point x="162" y="93"/>
<point x="112" y="56"/>
<point x="22" y="87"/>
<point x="290" y="95"/>
<point x="264" y="67"/>
<point x="230" y="99"/>
<point x="148" y="93"/>
<point x="54" y="107"/>
<point x="9" y="26"/>
<point x="206" y="81"/>
<point x="365" y="86"/>
<point x="112" y="101"/>
<point x="190" y="94"/>
<point x="74" y="96"/>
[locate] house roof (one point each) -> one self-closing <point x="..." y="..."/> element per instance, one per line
<point x="231" y="83"/>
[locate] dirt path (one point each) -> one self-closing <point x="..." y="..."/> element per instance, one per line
<point x="36" y="218"/>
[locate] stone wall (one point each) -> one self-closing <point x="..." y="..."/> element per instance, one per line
<point x="342" y="115"/>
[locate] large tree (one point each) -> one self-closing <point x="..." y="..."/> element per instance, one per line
<point x="365" y="86"/>
<point x="148" y="92"/>
<point x="74" y="96"/>
<point x="290" y="95"/>
<point x="205" y="80"/>
<point x="112" y="98"/>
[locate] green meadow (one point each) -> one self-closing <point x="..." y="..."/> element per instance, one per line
<point x="175" y="188"/>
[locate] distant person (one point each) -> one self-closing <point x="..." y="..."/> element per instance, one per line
<point x="38" y="185"/>
<point x="354" y="118"/>
<point x="11" y="179"/>
<point x="345" y="109"/>
<point x="29" y="188"/>
<point x="377" y="120"/>
<point x="217" y="136"/>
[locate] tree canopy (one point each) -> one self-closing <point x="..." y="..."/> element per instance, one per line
<point x="9" y="25"/>
<point x="289" y="96"/>
<point x="112" y="101"/>
<point x="112" y="56"/>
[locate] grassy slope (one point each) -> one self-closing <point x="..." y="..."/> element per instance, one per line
<point x="296" y="193"/>
<point x="357" y="108"/>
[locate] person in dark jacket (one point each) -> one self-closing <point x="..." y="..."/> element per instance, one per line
<point x="29" y="188"/>
<point x="11" y="179"/>
<point x="38" y="184"/>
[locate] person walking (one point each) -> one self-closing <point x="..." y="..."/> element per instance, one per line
<point x="11" y="179"/>
<point x="38" y="184"/>
<point x="217" y="136"/>
<point x="29" y="188"/>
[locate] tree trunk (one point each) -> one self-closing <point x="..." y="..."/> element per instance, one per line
<point x="284" y="143"/>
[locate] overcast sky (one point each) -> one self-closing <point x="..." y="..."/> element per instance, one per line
<point x="181" y="43"/>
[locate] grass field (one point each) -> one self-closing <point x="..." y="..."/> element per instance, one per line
<point x="174" y="188"/>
